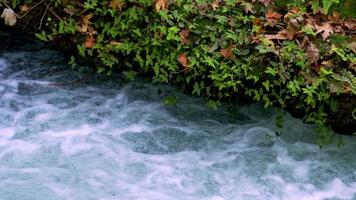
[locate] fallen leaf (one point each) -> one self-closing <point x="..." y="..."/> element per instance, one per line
<point x="9" y="16"/>
<point x="334" y="17"/>
<point x="69" y="11"/>
<point x="327" y="64"/>
<point x="353" y="46"/>
<point x="266" y="2"/>
<point x="313" y="54"/>
<point x="24" y="8"/>
<point x="161" y="5"/>
<point x="183" y="60"/>
<point x="351" y="25"/>
<point x="292" y="30"/>
<point x="326" y="29"/>
<point x="281" y="35"/>
<point x="305" y="41"/>
<point x="273" y="17"/>
<point x="248" y="8"/>
<point x="89" y="42"/>
<point x="215" y="4"/>
<point x="184" y="34"/>
<point x="226" y="53"/>
<point x="117" y="4"/>
<point x="85" y="23"/>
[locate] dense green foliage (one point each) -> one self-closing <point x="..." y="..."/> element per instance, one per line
<point x="271" y="52"/>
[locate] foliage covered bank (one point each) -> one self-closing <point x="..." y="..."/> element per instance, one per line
<point x="297" y="54"/>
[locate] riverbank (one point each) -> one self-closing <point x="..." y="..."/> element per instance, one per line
<point x="340" y="120"/>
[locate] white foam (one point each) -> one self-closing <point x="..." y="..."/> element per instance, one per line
<point x="70" y="147"/>
<point x="84" y="130"/>
<point x="336" y="189"/>
<point x="43" y="117"/>
<point x="7" y="133"/>
<point x="18" y="146"/>
<point x="135" y="128"/>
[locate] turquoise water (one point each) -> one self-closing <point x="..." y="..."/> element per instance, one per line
<point x="117" y="141"/>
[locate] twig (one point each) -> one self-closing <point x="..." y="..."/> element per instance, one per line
<point x="39" y="3"/>
<point x="44" y="14"/>
<point x="54" y="14"/>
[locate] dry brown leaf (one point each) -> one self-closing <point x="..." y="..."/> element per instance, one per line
<point x="89" y="42"/>
<point x="292" y="30"/>
<point x="334" y="17"/>
<point x="281" y="35"/>
<point x="183" y="60"/>
<point x="273" y="17"/>
<point x="184" y="34"/>
<point x="248" y="8"/>
<point x="161" y="5"/>
<point x="117" y="4"/>
<point x="266" y="2"/>
<point x="326" y="29"/>
<point x="69" y="11"/>
<point x="215" y="4"/>
<point x="351" y="25"/>
<point x="353" y="46"/>
<point x="9" y="16"/>
<point x="85" y="23"/>
<point x="313" y="54"/>
<point x="24" y="8"/>
<point x="226" y="53"/>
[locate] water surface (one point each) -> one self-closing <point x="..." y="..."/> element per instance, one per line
<point x="117" y="141"/>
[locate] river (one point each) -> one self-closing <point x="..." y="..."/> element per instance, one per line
<point x="116" y="140"/>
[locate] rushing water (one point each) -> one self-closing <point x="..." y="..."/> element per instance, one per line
<point x="115" y="141"/>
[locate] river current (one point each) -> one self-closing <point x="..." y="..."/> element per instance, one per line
<point x="111" y="140"/>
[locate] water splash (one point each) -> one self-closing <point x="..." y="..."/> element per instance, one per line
<point x="114" y="141"/>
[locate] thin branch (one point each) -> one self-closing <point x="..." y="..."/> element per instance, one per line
<point x="39" y="3"/>
<point x="54" y="14"/>
<point x="44" y="14"/>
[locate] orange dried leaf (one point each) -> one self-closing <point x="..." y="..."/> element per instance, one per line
<point x="334" y="17"/>
<point x="161" y="5"/>
<point x="183" y="60"/>
<point x="24" y="8"/>
<point x="89" y="42"/>
<point x="273" y="17"/>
